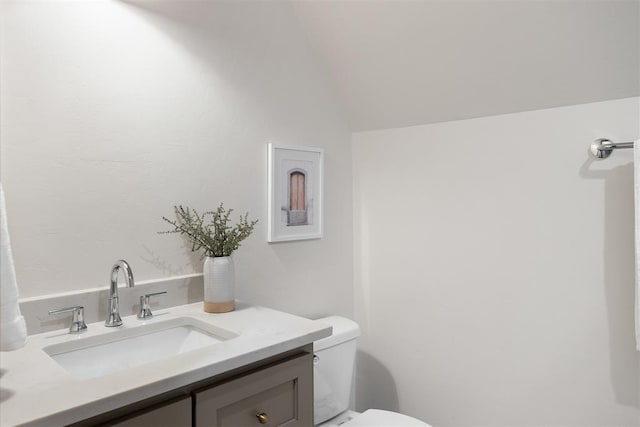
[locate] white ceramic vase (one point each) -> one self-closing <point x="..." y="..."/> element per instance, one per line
<point x="219" y="284"/>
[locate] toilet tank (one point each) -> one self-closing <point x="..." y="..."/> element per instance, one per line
<point x="333" y="368"/>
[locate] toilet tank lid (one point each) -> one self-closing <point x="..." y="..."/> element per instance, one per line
<point x="343" y="330"/>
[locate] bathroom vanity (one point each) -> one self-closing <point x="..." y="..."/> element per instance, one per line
<point x="183" y="367"/>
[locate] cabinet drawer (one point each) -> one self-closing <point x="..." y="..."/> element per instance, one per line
<point x="175" y="414"/>
<point x="283" y="393"/>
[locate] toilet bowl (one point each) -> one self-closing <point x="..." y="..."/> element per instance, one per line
<point x="333" y="373"/>
<point x="373" y="418"/>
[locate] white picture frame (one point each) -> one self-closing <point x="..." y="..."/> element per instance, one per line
<point x="295" y="193"/>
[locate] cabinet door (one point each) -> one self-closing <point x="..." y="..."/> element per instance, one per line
<point x="176" y="414"/>
<point x="279" y="395"/>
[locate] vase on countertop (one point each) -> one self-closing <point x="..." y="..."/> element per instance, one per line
<point x="219" y="284"/>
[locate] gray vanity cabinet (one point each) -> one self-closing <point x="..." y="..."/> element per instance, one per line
<point x="277" y="391"/>
<point x="279" y="395"/>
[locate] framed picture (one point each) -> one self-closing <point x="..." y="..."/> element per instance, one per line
<point x="295" y="193"/>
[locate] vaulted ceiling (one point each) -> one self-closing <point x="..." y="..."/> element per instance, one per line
<point x="397" y="63"/>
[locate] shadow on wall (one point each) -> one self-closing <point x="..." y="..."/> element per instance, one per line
<point x="5" y="394"/>
<point x="619" y="279"/>
<point x="376" y="387"/>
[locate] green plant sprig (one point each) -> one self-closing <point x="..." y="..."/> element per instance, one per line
<point x="214" y="236"/>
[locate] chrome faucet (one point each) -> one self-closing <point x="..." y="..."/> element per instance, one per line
<point x="114" y="315"/>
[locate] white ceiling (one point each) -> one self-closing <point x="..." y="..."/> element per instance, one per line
<point x="401" y="63"/>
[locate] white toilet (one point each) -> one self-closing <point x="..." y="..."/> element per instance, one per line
<point x="334" y="360"/>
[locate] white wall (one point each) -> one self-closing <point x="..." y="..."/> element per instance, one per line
<point x="404" y="63"/>
<point x="495" y="269"/>
<point x="113" y="112"/>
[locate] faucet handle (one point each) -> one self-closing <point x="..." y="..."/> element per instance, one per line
<point x="145" y="306"/>
<point x="77" y="322"/>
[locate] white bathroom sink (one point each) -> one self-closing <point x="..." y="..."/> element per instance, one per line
<point x="126" y="348"/>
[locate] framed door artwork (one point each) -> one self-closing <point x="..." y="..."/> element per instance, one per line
<point x="295" y="192"/>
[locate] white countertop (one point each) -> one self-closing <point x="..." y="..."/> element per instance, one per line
<point x="36" y="391"/>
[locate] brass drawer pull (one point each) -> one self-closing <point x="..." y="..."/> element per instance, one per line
<point x="262" y="418"/>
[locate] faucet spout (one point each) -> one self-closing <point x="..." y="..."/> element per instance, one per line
<point x="113" y="318"/>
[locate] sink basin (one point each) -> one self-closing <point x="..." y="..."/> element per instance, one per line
<point x="126" y="348"/>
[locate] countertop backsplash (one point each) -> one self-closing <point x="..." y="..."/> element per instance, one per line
<point x="180" y="290"/>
